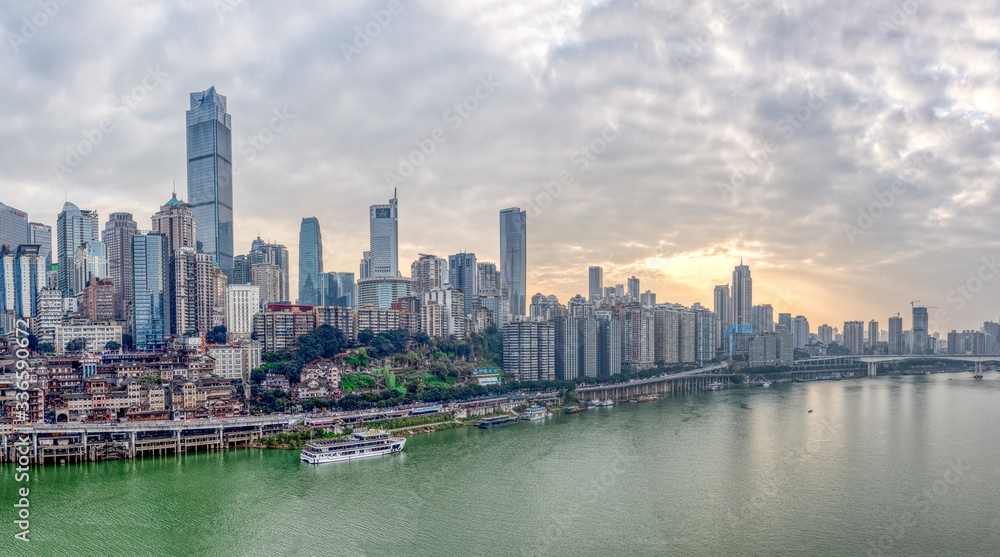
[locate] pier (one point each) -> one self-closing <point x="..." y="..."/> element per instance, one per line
<point x="94" y="442"/>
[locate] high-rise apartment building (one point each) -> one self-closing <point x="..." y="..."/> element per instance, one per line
<point x="514" y="257"/>
<point x="176" y="222"/>
<point x="242" y="303"/>
<point x="633" y="288"/>
<point x="854" y="336"/>
<point x="428" y="272"/>
<point x="210" y="175"/>
<point x="529" y="351"/>
<point x="873" y="334"/>
<point x="311" y="263"/>
<point x="920" y="345"/>
<point x="742" y="286"/>
<point x="723" y="306"/>
<point x="22" y="278"/>
<point x="117" y="238"/>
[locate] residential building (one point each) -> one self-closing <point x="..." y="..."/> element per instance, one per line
<point x="596" y="283"/>
<point x="117" y="238"/>
<point x="73" y="228"/>
<point x="428" y="272"/>
<point x="896" y="335"/>
<point x="462" y="274"/>
<point x="376" y="320"/>
<point x="529" y="351"/>
<point x="235" y="361"/>
<point x="96" y="336"/>
<point x="97" y="304"/>
<point x="242" y="303"/>
<point x="920" y="345"/>
<point x="854" y="337"/>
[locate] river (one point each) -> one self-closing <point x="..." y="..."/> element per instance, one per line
<point x="888" y="466"/>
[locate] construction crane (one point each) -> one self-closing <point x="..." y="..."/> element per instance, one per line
<point x="913" y="302"/>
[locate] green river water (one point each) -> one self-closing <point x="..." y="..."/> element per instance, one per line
<point x="887" y="466"/>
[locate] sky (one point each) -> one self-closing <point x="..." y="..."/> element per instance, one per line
<point x="846" y="151"/>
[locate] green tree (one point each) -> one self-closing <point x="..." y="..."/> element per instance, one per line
<point x="76" y="345"/>
<point x="216" y="336"/>
<point x="45" y="348"/>
<point x="112" y="346"/>
<point x="365" y="337"/>
<point x="32" y="341"/>
<point x="270" y="357"/>
<point x="358" y="360"/>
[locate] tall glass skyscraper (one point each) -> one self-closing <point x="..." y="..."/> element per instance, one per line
<point x="596" y="283"/>
<point x="73" y="228"/>
<point x="514" y="257"/>
<point x="310" y="263"/>
<point x="210" y="175"/>
<point x="41" y="235"/>
<point x="149" y="262"/>
<point x="384" y="230"/>
<point x="463" y="274"/>
<point x="340" y="289"/>
<point x="13" y="226"/>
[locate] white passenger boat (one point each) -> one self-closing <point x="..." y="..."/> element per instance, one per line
<point x="363" y="443"/>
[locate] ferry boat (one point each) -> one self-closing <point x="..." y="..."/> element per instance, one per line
<point x="536" y="413"/>
<point x="497" y="421"/>
<point x="607" y="402"/>
<point x="765" y="383"/>
<point x="363" y="443"/>
<point x="593" y="403"/>
<point x="575" y="409"/>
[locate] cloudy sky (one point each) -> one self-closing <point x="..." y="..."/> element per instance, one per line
<point x="847" y="151"/>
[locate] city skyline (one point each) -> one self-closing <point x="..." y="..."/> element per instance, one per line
<point x="805" y="256"/>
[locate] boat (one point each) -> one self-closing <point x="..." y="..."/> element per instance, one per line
<point x="593" y="403"/>
<point x="575" y="409"/>
<point x="607" y="402"/>
<point x="765" y="383"/>
<point x="813" y="379"/>
<point x="363" y="443"/>
<point x="714" y="386"/>
<point x="497" y="421"/>
<point x="536" y="413"/>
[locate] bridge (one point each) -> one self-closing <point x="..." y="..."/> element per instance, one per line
<point x="83" y="442"/>
<point x="660" y="384"/>
<point x="874" y="361"/>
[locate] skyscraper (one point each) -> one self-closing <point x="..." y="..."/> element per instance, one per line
<point x="310" y="263"/>
<point x="262" y="252"/>
<point x="462" y="274"/>
<point x="919" y="330"/>
<point x="596" y="286"/>
<point x="723" y="306"/>
<point x="384" y="239"/>
<point x="41" y="235"/>
<point x="895" y="335"/>
<point x="13" y="227"/>
<point x="149" y="286"/>
<point x="514" y="257"/>
<point x="340" y="289"/>
<point x="742" y="286"/>
<point x="633" y="288"/>
<point x="117" y="238"/>
<point x="873" y="334"/>
<point x="428" y="272"/>
<point x="210" y="175"/>
<point x="73" y="227"/>
<point x="854" y="336"/>
<point x="90" y="261"/>
<point x="22" y="278"/>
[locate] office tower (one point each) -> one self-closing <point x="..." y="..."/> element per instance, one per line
<point x="340" y="289"/>
<point x="22" y="278"/>
<point x="762" y="318"/>
<point x="854" y="337"/>
<point x="596" y="289"/>
<point x="41" y="235"/>
<point x="825" y="334"/>
<point x="241" y="270"/>
<point x="633" y="288"/>
<point x="920" y="344"/>
<point x="91" y="260"/>
<point x="117" y="238"/>
<point x="800" y="331"/>
<point x="620" y="291"/>
<point x="567" y="354"/>
<point x="13" y="227"/>
<point x="382" y="292"/>
<point x="723" y="306"/>
<point x="428" y="272"/>
<point x="176" y="222"/>
<point x="384" y="239"/>
<point x="873" y="334"/>
<point x="149" y="286"/>
<point x="210" y="175"/>
<point x="73" y="227"/>
<point x="242" y="303"/>
<point x="514" y="257"/>
<point x="785" y="320"/>
<point x="310" y="263"/>
<point x="462" y="274"/>
<point x="365" y="269"/>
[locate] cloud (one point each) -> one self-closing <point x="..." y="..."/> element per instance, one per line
<point x="738" y="129"/>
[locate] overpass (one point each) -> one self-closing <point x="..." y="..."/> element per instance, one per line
<point x="660" y="384"/>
